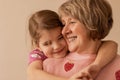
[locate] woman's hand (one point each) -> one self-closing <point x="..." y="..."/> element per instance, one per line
<point x="80" y="76"/>
<point x="88" y="73"/>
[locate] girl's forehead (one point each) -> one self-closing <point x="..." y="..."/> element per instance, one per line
<point x="50" y="34"/>
<point x="52" y="30"/>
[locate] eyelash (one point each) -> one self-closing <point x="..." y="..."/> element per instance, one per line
<point x="72" y="22"/>
<point x="61" y="37"/>
<point x="47" y="43"/>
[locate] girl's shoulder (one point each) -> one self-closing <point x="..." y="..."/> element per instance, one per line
<point x="36" y="55"/>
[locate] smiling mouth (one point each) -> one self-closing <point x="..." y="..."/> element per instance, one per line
<point x="59" y="51"/>
<point x="71" y="39"/>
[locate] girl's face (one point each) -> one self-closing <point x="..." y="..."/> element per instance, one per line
<point x="75" y="34"/>
<point x="52" y="43"/>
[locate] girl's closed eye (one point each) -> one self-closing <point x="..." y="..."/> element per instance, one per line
<point x="47" y="43"/>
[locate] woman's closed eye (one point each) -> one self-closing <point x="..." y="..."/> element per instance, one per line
<point x="60" y="37"/>
<point x="72" y="22"/>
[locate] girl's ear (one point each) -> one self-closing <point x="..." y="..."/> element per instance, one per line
<point x="39" y="48"/>
<point x="36" y="46"/>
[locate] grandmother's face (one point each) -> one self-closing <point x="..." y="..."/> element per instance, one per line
<point x="75" y="34"/>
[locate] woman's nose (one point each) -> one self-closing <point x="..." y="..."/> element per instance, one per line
<point x="65" y="29"/>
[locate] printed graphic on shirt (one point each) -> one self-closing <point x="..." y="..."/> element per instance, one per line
<point x="117" y="74"/>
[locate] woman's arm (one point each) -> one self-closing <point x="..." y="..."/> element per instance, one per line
<point x="107" y="52"/>
<point x="35" y="72"/>
<point x="35" y="68"/>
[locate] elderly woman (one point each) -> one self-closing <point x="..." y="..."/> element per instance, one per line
<point x="86" y="23"/>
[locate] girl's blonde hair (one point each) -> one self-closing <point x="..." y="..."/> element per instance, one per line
<point x="96" y="15"/>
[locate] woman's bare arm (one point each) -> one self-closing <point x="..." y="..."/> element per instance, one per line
<point x="35" y="72"/>
<point x="107" y="52"/>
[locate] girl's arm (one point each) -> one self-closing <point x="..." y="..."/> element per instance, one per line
<point x="107" y="52"/>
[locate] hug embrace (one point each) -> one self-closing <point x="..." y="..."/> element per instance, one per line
<point x="69" y="45"/>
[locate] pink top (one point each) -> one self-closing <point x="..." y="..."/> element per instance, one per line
<point x="73" y="63"/>
<point x="111" y="71"/>
<point x="69" y="65"/>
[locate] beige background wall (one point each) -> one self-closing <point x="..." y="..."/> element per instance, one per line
<point x="14" y="43"/>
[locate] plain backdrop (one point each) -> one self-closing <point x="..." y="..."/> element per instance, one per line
<point x="14" y="40"/>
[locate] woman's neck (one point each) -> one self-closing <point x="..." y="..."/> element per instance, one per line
<point x="92" y="47"/>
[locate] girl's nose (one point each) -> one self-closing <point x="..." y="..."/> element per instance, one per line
<point x="56" y="46"/>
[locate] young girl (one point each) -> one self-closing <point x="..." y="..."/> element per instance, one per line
<point x="45" y="31"/>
